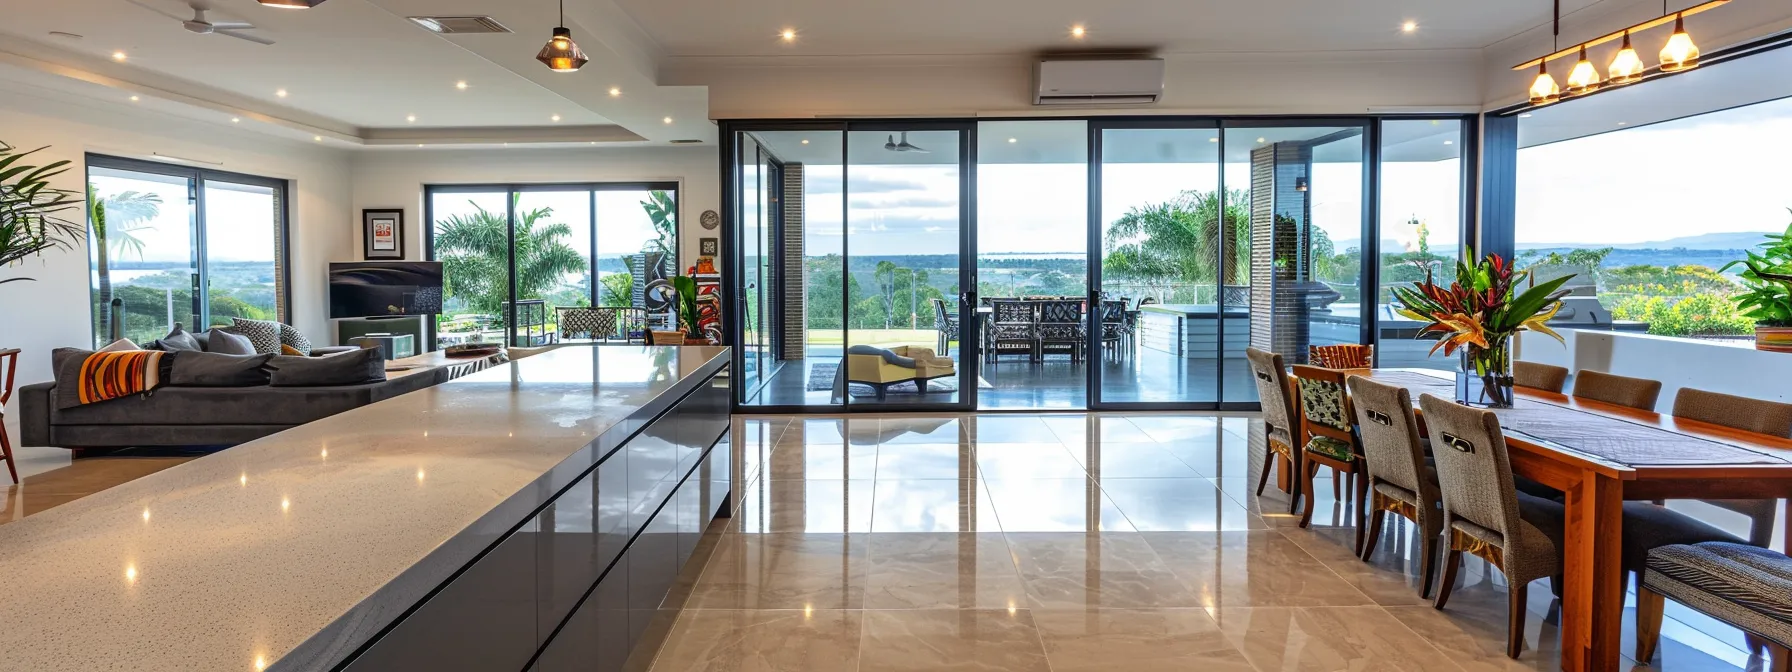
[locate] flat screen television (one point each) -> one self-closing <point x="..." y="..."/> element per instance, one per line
<point x="385" y="288"/>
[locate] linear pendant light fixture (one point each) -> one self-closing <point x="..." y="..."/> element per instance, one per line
<point x="291" y="4"/>
<point x="561" y="54"/>
<point x="1627" y="67"/>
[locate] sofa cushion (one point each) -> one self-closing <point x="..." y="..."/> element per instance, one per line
<point x="349" y="368"/>
<point x="180" y="340"/>
<point x="211" y="369"/>
<point x="184" y="406"/>
<point x="120" y="344"/>
<point x="229" y="343"/>
<point x="290" y="337"/>
<point x="263" y="334"/>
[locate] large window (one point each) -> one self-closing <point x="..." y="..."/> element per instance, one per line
<point x="1648" y="215"/>
<point x="514" y="255"/>
<point x="177" y="245"/>
<point x="1421" y="228"/>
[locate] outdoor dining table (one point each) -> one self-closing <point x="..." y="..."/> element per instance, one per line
<point x="1601" y="454"/>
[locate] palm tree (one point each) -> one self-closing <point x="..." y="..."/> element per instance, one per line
<point x="116" y="221"/>
<point x="30" y="209"/>
<point x="663" y="212"/>
<point x="475" y="248"/>
<point x="1180" y="240"/>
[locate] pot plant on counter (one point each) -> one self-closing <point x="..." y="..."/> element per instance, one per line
<point x="1480" y="318"/>
<point x="1767" y="275"/>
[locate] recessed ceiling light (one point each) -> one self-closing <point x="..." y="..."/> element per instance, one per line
<point x="805" y="142"/>
<point x="1409" y="27"/>
<point x="555" y="117"/>
<point x="118" y="56"/>
<point x="133" y="99"/>
<point x="1622" y="123"/>
<point x="411" y="118"/>
<point x="1449" y="142"/>
<point x="419" y="144"/>
<point x="593" y="142"/>
<point x="1077" y="31"/>
<point x="1013" y="140"/>
<point x="1526" y="115"/>
<point x="614" y="92"/>
<point x="461" y="85"/>
<point x="317" y="138"/>
<point x="1262" y="140"/>
<point x="236" y="120"/>
<point x="789" y="35"/>
<point x="1213" y="139"/>
<point x="280" y="92"/>
<point x="290" y="4"/>
<point x="667" y="120"/>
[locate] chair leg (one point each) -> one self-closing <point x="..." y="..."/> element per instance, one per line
<point x="1649" y="607"/>
<point x="1337" y="487"/>
<point x="6" y="454"/>
<point x="1359" y="489"/>
<point x="1372" y="536"/>
<point x="1269" y="463"/>
<point x="1452" y="560"/>
<point x="1296" y="467"/>
<point x="1515" y="619"/>
<point x="1428" y="564"/>
<point x="1311" y="470"/>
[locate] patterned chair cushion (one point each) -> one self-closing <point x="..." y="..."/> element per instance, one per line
<point x="1322" y="402"/>
<point x="1746" y="586"/>
<point x="1330" y="447"/>
<point x="1349" y="356"/>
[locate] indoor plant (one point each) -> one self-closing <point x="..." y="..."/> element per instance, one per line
<point x="1480" y="318"/>
<point x="1768" y="277"/>
<point x="30" y="219"/>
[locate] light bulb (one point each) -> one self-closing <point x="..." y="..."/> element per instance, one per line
<point x="1680" y="53"/>
<point x="1584" y="78"/>
<point x="1544" y="90"/>
<point x="1626" y="67"/>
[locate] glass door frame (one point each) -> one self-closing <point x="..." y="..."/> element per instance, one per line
<point x="196" y="179"/>
<point x="968" y="366"/>
<point x="511" y="191"/>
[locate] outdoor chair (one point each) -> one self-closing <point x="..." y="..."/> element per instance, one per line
<point x="1011" y="325"/>
<point x="1113" y="325"/>
<point x="1061" y="326"/>
<point x="946" y="324"/>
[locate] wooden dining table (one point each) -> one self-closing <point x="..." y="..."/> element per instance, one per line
<point x="1600" y="455"/>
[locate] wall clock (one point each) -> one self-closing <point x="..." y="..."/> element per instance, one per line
<point x="709" y="219"/>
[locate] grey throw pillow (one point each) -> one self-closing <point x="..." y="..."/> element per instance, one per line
<point x="211" y="369"/>
<point x="179" y="340"/>
<point x="263" y="334"/>
<point x="349" y="368"/>
<point x="67" y="365"/>
<point x="228" y="343"/>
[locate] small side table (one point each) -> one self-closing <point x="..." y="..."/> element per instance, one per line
<point x="392" y="346"/>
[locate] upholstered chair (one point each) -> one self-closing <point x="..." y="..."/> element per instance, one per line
<point x="1278" y="415"/>
<point x="1400" y="479"/>
<point x="1329" y="427"/>
<point x="1539" y="376"/>
<point x="1637" y="393"/>
<point x="1742" y="585"/>
<point x="1483" y="514"/>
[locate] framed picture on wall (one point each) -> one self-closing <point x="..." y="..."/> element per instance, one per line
<point x="709" y="247"/>
<point x="382" y="233"/>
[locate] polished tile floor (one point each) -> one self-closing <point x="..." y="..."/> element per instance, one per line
<point x="1074" y="542"/>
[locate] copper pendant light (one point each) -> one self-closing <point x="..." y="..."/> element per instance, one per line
<point x="561" y="54"/>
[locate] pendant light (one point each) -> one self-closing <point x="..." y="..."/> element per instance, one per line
<point x="1626" y="67"/>
<point x="561" y="54"/>
<point x="290" y="4"/>
<point x="1680" y="53"/>
<point x="1544" y="89"/>
<point x="1584" y="78"/>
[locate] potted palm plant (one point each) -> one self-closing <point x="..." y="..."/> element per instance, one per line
<point x="1478" y="314"/>
<point x="1768" y="278"/>
<point x="30" y="210"/>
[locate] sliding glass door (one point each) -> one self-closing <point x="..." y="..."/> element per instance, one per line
<point x="178" y="245"/>
<point x="517" y="258"/>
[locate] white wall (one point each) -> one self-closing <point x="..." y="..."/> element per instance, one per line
<point x="54" y="311"/>
<point x="394" y="178"/>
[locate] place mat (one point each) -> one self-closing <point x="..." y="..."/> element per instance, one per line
<point x="1607" y="438"/>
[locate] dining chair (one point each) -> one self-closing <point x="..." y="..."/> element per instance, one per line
<point x="1346" y="356"/>
<point x="1539" y="376"/>
<point x="1400" y="481"/>
<point x="1741" y="585"/>
<point x="1329" y="426"/>
<point x="1113" y="324"/>
<point x="1061" y="323"/>
<point x="1483" y="514"/>
<point x="1637" y="393"/>
<point x="1278" y="417"/>
<point x="1750" y="415"/>
<point x="9" y="369"/>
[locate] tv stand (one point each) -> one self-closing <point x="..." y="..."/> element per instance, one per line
<point x="384" y="324"/>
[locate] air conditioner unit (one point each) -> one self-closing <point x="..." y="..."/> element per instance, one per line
<point x="1093" y="81"/>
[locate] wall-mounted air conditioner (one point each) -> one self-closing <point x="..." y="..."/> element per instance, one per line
<point x="1098" y="81"/>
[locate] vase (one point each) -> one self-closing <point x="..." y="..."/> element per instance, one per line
<point x="1485" y="378"/>
<point x="1773" y="339"/>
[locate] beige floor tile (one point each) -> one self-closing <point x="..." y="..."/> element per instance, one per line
<point x="1393" y="575"/>
<point x="942" y="571"/>
<point x="834" y="431"/>
<point x="1178" y="504"/>
<point x="1077" y="430"/>
<point x="1252" y="569"/>
<point x="940" y="640"/>
<point x="1080" y="571"/>
<point x="761" y="641"/>
<point x="1107" y="459"/>
<point x="934" y="505"/>
<point x="783" y="571"/>
<point x="828" y="461"/>
<point x="1329" y="638"/>
<point x="1027" y="460"/>
<point x="1054" y="505"/>
<point x="1136" y="640"/>
<point x="811" y="505"/>
<point x="1176" y="428"/>
<point x="926" y="460"/>
<point x="923" y="430"/>
<point x="1002" y="428"/>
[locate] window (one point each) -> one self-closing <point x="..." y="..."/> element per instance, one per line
<point x="1648" y="215"/>
<point x="1421" y="229"/>
<point x="513" y="255"/>
<point x="172" y="245"/>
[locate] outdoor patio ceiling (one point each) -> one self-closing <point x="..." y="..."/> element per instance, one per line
<point x="1713" y="86"/>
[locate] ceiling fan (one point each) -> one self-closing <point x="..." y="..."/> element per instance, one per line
<point x="894" y="146"/>
<point x="198" y="24"/>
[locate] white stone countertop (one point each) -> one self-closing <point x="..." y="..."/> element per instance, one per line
<point x="290" y="551"/>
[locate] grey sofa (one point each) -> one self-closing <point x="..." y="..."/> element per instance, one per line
<point x="196" y="416"/>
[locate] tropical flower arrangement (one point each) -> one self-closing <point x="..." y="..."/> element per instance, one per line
<point x="1479" y="313"/>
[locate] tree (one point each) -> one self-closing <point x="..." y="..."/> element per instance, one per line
<point x="474" y="249"/>
<point x="663" y="212"/>
<point x="1180" y="240"/>
<point x="618" y="289"/>
<point x="116" y="221"/>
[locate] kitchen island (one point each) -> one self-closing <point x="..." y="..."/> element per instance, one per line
<point x="534" y="515"/>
